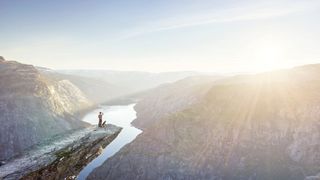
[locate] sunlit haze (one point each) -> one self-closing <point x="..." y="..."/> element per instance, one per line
<point x="166" y="35"/>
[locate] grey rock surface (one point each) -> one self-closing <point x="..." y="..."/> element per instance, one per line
<point x="62" y="156"/>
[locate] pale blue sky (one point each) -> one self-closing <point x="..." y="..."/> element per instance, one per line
<point x="166" y="35"/>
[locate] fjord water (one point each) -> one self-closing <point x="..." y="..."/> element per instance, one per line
<point x="120" y="116"/>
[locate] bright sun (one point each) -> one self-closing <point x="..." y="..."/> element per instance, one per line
<point x="268" y="55"/>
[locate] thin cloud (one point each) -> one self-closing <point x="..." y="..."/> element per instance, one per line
<point x="222" y="16"/>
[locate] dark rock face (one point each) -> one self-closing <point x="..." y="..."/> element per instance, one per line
<point x="34" y="107"/>
<point x="263" y="126"/>
<point x="61" y="157"/>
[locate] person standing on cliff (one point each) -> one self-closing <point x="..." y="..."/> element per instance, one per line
<point x="100" y="119"/>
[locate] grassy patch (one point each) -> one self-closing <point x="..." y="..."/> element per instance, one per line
<point x="63" y="153"/>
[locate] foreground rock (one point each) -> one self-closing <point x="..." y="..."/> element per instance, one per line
<point x="61" y="157"/>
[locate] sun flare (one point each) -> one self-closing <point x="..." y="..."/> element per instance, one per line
<point x="268" y="55"/>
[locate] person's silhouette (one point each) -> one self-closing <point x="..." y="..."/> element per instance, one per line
<point x="100" y="119"/>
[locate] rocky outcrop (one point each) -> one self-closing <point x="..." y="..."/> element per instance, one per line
<point x="263" y="126"/>
<point x="34" y="107"/>
<point x="62" y="156"/>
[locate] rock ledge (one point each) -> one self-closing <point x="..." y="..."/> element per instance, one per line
<point x="60" y="157"/>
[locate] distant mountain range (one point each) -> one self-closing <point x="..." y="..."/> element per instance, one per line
<point x="170" y="98"/>
<point x="262" y="126"/>
<point x="37" y="103"/>
<point x="131" y="81"/>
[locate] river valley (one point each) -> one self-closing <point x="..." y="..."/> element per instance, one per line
<point x="120" y="116"/>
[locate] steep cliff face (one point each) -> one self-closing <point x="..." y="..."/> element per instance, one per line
<point x="34" y="107"/>
<point x="263" y="126"/>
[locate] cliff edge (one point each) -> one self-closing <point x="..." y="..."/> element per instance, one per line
<point x="62" y="156"/>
